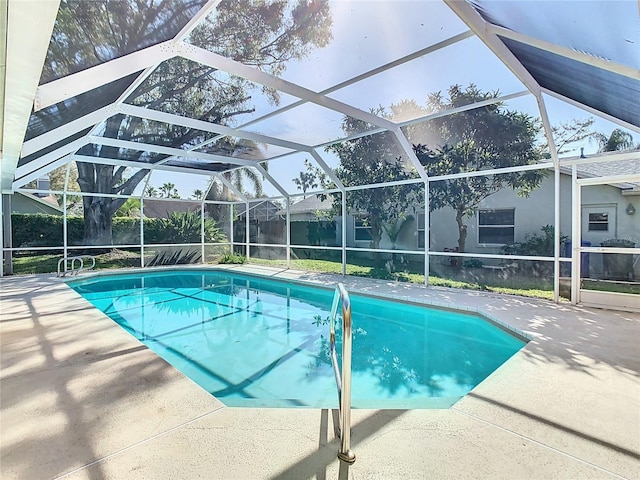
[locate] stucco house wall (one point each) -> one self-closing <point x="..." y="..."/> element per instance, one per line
<point x="530" y="215"/>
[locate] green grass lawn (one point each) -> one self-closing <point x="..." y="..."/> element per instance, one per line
<point x="364" y="270"/>
<point x="26" y="265"/>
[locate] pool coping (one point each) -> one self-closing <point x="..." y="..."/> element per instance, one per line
<point x="566" y="406"/>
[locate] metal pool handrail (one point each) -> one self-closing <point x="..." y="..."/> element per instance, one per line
<point x="343" y="381"/>
<point x="75" y="270"/>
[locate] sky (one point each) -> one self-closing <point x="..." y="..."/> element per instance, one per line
<point x="366" y="35"/>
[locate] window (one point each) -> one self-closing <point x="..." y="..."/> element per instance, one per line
<point x="496" y="227"/>
<point x="598" y="222"/>
<point x="421" y="230"/>
<point x="362" y="228"/>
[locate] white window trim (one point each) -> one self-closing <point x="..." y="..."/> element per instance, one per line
<point x="356" y="228"/>
<point x="478" y="226"/>
<point x="607" y="223"/>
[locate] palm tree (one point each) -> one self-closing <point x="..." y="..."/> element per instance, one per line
<point x="197" y="194"/>
<point x="616" y="141"/>
<point x="151" y="192"/>
<point x="169" y="190"/>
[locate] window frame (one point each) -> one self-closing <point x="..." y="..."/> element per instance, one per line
<point x="421" y="218"/>
<point x="595" y="222"/>
<point x="481" y="227"/>
<point x="361" y="228"/>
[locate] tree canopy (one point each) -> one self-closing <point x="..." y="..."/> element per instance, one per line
<point x="484" y="138"/>
<point x="373" y="159"/>
<point x="263" y="34"/>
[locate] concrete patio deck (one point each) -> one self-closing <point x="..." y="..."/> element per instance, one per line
<point x="81" y="398"/>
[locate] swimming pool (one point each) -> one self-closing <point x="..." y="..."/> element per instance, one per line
<point x="259" y="342"/>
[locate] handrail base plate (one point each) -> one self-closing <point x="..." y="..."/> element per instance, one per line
<point x="347" y="457"/>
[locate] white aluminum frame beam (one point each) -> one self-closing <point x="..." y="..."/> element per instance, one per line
<point x="44" y="160"/>
<point x="363" y="76"/>
<point x="178" y="152"/>
<point x="480" y="27"/>
<point x="493" y="171"/>
<point x="271" y="180"/>
<point x="139" y="165"/>
<point x="90" y="120"/>
<point x="94" y="77"/>
<point x="28" y="32"/>
<point x="196" y="19"/>
<point x="34" y="175"/>
<point x="327" y="170"/>
<point x="214" y="60"/>
<point x="465" y="108"/>
<point x="408" y="149"/>
<point x="149" y="114"/>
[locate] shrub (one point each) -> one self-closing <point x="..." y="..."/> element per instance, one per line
<point x="473" y="263"/>
<point x="182" y="227"/>
<point x="233" y="258"/>
<point x="535" y="245"/>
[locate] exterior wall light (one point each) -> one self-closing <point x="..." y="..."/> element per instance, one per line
<point x="630" y="209"/>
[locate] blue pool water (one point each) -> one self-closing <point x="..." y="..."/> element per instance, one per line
<point x="252" y="341"/>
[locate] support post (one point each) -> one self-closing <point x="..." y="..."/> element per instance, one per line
<point x="246" y="225"/>
<point x="6" y="235"/>
<point x="142" y="232"/>
<point x="427" y="221"/>
<point x="6" y="230"/>
<point x="575" y="236"/>
<point x="288" y="232"/>
<point x="344" y="233"/>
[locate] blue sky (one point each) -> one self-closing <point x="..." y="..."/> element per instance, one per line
<point x="369" y="34"/>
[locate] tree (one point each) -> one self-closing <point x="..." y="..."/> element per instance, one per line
<point x="304" y="181"/>
<point x="169" y="190"/>
<point x="567" y="135"/>
<point x="130" y="208"/>
<point x="151" y="191"/>
<point x="489" y="137"/>
<point x="264" y="34"/>
<point x="197" y="194"/>
<point x="373" y="159"/>
<point x="617" y="140"/>
<point x="312" y="178"/>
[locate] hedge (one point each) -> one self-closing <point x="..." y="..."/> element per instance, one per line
<point x="40" y="230"/>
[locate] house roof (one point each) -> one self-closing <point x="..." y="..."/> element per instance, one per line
<point x="310" y="204"/>
<point x="48" y="202"/>
<point x="263" y="210"/>
<point x="63" y="91"/>
<point x="629" y="167"/>
<point x="154" y="208"/>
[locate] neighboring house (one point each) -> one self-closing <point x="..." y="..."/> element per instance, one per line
<point x="32" y="203"/>
<point x="608" y="211"/>
<point x="311" y="222"/>
<point x="266" y="225"/>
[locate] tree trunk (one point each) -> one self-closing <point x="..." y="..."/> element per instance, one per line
<point x="97" y="221"/>
<point x="376" y="236"/>
<point x="462" y="238"/>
